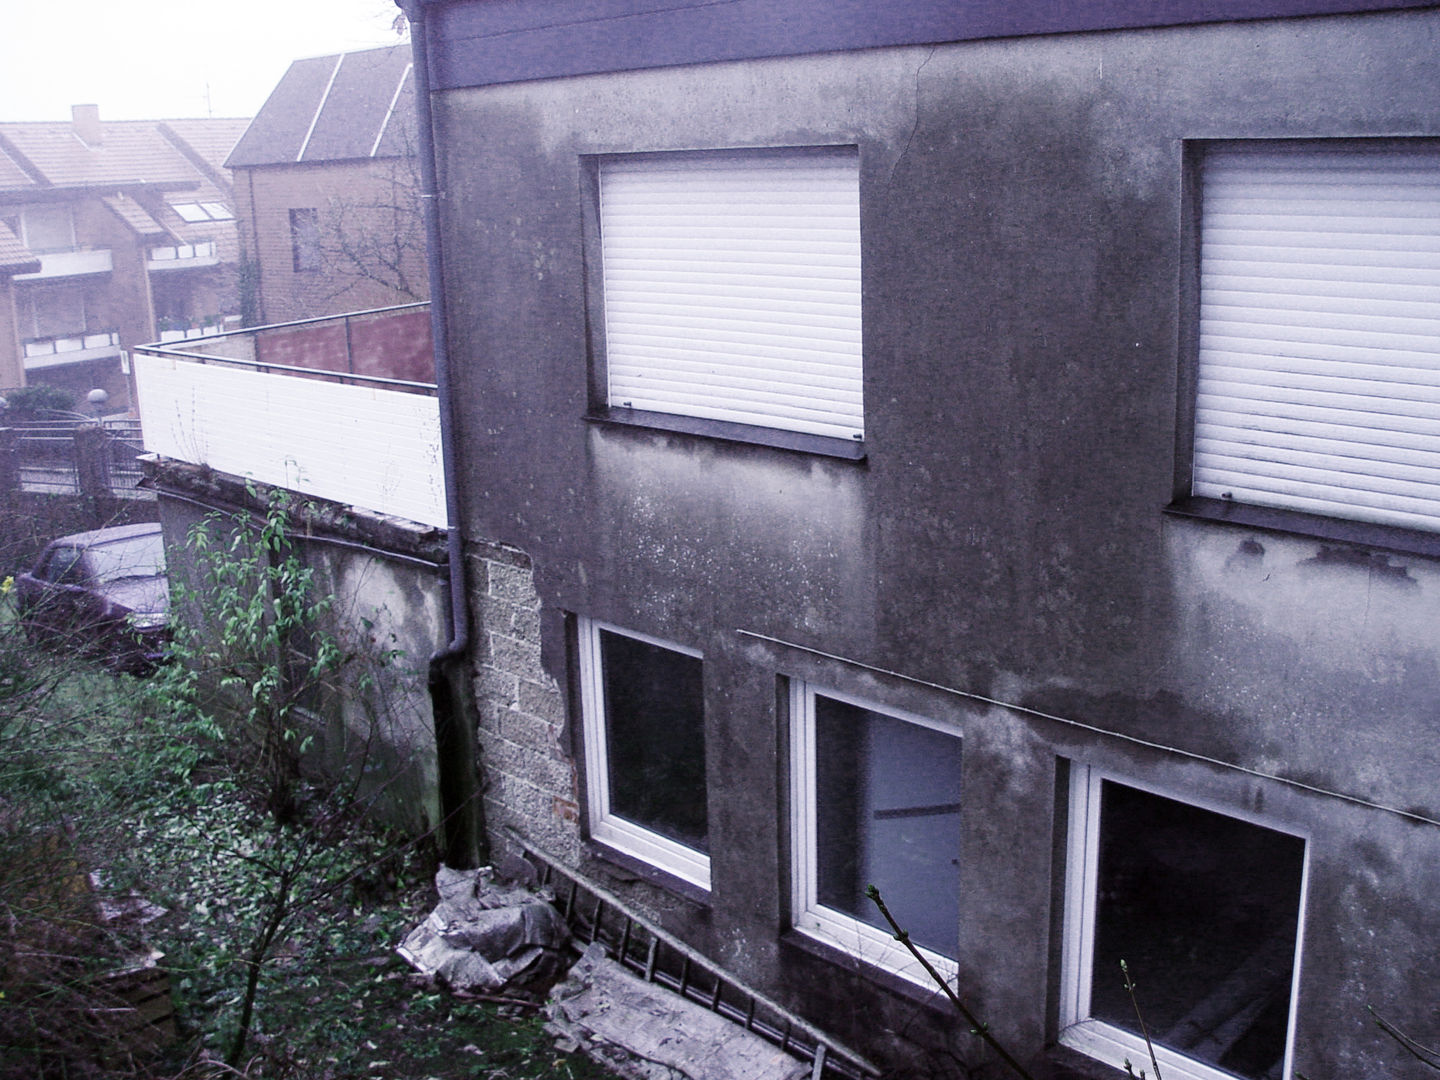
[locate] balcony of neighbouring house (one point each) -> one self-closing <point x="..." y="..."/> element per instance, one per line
<point x="183" y="256"/>
<point x="341" y="408"/>
<point x="71" y="349"/>
<point x="63" y="264"/>
<point x="173" y="329"/>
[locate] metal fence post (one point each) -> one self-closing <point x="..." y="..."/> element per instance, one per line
<point x="92" y="461"/>
<point x="9" y="462"/>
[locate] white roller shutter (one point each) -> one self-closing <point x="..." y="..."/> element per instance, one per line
<point x="1319" y="373"/>
<point x="732" y="286"/>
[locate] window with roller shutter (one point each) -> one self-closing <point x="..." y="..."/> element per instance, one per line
<point x="732" y="287"/>
<point x="1318" y="386"/>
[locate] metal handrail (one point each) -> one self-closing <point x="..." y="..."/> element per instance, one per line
<point x="163" y="349"/>
<point x="306" y="322"/>
<point x="265" y="366"/>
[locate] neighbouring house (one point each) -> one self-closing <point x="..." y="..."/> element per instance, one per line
<point x="327" y="190"/>
<point x="991" y="452"/>
<point x="112" y="233"/>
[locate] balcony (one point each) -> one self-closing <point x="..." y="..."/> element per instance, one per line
<point x="64" y="264"/>
<point x="183" y="257"/>
<point x="172" y="330"/>
<point x="340" y="408"/>
<point x="71" y="349"/>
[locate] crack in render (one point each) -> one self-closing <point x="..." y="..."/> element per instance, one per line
<point x="915" y="124"/>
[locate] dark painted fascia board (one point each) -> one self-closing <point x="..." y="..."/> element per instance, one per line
<point x="483" y="42"/>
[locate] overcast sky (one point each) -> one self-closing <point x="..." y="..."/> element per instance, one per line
<point x="153" y="59"/>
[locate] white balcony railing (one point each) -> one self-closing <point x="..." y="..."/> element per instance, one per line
<point x="361" y="441"/>
<point x="216" y="325"/>
<point x="60" y="264"/>
<point x="183" y="256"/>
<point x="71" y="349"/>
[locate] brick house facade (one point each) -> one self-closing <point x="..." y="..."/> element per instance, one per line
<point x="326" y="190"/>
<point x="130" y="234"/>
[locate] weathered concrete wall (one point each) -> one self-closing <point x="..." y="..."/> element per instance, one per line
<point x="385" y="582"/>
<point x="1026" y="237"/>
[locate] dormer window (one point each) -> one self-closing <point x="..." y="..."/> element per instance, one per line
<point x="196" y="212"/>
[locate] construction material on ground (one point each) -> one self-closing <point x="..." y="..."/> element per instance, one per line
<point x="485" y="936"/>
<point x="645" y="1032"/>
<point x="642" y="947"/>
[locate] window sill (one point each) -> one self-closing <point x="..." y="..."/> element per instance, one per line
<point x="1313" y="526"/>
<point x="930" y="996"/>
<point x="615" y="859"/>
<point x="1059" y="1062"/>
<point x="796" y="441"/>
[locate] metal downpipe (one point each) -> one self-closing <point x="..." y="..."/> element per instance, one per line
<point x="463" y="833"/>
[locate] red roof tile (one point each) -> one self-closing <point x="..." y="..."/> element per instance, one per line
<point x="134" y="215"/>
<point x="11" y="174"/>
<point x="212" y="138"/>
<point x="15" y="258"/>
<point x="130" y="152"/>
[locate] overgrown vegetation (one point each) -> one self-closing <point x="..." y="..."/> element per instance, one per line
<point x="200" y="791"/>
<point x="36" y="401"/>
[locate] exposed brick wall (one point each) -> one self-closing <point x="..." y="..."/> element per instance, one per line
<point x="346" y="195"/>
<point x="530" y="780"/>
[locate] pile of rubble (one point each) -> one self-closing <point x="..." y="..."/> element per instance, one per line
<point x="488" y="938"/>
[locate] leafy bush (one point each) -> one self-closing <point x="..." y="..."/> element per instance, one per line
<point x="33" y="402"/>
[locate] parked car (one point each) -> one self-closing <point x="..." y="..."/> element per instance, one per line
<point x="104" y="593"/>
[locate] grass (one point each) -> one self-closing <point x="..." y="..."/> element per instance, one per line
<point x="88" y="781"/>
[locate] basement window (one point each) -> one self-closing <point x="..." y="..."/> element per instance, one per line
<point x="644" y="730"/>
<point x="875" y="800"/>
<point x="1205" y="909"/>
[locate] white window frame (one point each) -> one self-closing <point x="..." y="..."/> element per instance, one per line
<point x="731" y="286"/>
<point x="625" y="836"/>
<point x="1318" y="356"/>
<point x="808" y="915"/>
<point x="1078" y="1029"/>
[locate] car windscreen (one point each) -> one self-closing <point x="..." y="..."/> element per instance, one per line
<point x="135" y="556"/>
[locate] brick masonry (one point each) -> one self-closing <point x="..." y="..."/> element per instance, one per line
<point x="366" y="200"/>
<point x="529" y="778"/>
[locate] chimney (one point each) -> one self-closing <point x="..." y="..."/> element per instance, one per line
<point x="85" y="120"/>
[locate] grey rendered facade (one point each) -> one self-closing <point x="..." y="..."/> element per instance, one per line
<point x="1012" y="553"/>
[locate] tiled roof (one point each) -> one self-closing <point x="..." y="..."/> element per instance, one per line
<point x="195" y="231"/>
<point x="14" y="258"/>
<point x="130" y="152"/>
<point x="12" y="175"/>
<point x="333" y="108"/>
<point x="212" y="139"/>
<point x="134" y="215"/>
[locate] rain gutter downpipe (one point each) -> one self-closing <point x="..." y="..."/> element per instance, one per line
<point x="462" y="832"/>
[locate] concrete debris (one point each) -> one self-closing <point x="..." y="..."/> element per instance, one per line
<point x="485" y="936"/>
<point x="129" y="908"/>
<point x="645" y="1032"/>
